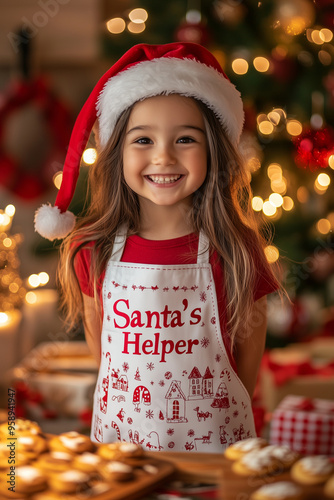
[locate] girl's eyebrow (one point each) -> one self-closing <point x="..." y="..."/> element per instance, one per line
<point x="147" y="127"/>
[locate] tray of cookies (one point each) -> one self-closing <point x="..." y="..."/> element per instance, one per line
<point x="36" y="466"/>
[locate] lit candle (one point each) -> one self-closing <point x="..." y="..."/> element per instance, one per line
<point x="9" y="339"/>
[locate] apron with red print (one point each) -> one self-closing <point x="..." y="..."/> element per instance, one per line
<point x="165" y="380"/>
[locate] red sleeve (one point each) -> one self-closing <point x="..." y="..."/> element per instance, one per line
<point x="264" y="284"/>
<point x="82" y="270"/>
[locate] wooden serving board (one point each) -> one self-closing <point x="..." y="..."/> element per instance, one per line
<point x="216" y="469"/>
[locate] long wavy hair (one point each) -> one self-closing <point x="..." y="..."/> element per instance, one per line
<point x="221" y="209"/>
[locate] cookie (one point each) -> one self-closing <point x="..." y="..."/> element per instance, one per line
<point x="283" y="490"/>
<point x="87" y="462"/>
<point x="70" y="481"/>
<point x="26" y="481"/>
<point x="329" y="488"/>
<point x="283" y="454"/>
<point x="117" y="471"/>
<point x="120" y="451"/>
<point x="71" y="442"/>
<point x="256" y="464"/>
<point x="240" y="448"/>
<point x="11" y="456"/>
<point x="312" y="470"/>
<point x="32" y="445"/>
<point x="21" y="427"/>
<point x="55" y="461"/>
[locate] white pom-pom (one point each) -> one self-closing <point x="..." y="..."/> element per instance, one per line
<point x="51" y="223"/>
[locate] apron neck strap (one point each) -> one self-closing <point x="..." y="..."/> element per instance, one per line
<point x="119" y="244"/>
<point x="203" y="249"/>
<point x="120" y="239"/>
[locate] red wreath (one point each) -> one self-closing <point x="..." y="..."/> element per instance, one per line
<point x="16" y="178"/>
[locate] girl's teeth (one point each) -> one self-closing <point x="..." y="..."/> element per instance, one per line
<point x="163" y="180"/>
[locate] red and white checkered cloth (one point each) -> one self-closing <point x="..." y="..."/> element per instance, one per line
<point x="306" y="426"/>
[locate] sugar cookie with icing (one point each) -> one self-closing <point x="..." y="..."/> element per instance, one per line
<point x="6" y="457"/>
<point x="283" y="490"/>
<point x="283" y="454"/>
<point x="55" y="461"/>
<point x="240" y="448"/>
<point x="28" y="480"/>
<point x="312" y="470"/>
<point x="87" y="462"/>
<point x="32" y="445"/>
<point x="21" y="427"/>
<point x="71" y="442"/>
<point x="70" y="481"/>
<point x="256" y="463"/>
<point x="117" y="471"/>
<point x="120" y="451"/>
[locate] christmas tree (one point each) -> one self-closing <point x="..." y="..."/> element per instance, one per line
<point x="279" y="54"/>
<point x="12" y="292"/>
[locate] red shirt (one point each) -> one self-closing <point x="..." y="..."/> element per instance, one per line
<point x="181" y="250"/>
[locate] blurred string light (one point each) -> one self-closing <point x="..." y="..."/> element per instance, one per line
<point x="288" y="203"/>
<point x="36" y="280"/>
<point x="89" y="157"/>
<point x="136" y="28"/>
<point x="271" y="253"/>
<point x="116" y="25"/>
<point x="261" y="64"/>
<point x="268" y="122"/>
<point x="257" y="203"/>
<point x="135" y="22"/>
<point x="3" y="318"/>
<point x="331" y="162"/>
<point x="294" y="127"/>
<point x="321" y="183"/>
<point x="6" y="217"/>
<point x="319" y="36"/>
<point x="323" y="226"/>
<point x="240" y="66"/>
<point x="57" y="178"/>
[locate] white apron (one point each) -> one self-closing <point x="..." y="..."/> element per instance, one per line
<point x="165" y="380"/>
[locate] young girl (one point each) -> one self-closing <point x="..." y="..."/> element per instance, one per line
<point x="167" y="268"/>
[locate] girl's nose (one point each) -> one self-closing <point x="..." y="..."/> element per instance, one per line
<point x="164" y="156"/>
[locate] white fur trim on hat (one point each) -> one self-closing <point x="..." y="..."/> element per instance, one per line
<point x="51" y="223"/>
<point x="187" y="77"/>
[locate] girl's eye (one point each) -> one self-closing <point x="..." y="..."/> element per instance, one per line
<point x="185" y="140"/>
<point x="143" y="140"/>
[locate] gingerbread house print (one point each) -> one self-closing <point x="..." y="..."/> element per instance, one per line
<point x="195" y="384"/>
<point x="200" y="387"/>
<point x="176" y="403"/>
<point x="207" y="384"/>
<point x="118" y="381"/>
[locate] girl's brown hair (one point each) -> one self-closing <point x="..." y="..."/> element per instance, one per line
<point x="221" y="209"/>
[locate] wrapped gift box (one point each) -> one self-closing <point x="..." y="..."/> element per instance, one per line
<point x="305" y="369"/>
<point x="305" y="425"/>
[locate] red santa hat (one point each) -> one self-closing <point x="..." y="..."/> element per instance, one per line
<point x="143" y="71"/>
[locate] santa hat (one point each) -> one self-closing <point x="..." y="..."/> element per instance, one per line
<point x="144" y="71"/>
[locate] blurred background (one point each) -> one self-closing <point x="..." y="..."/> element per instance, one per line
<point x="278" y="53"/>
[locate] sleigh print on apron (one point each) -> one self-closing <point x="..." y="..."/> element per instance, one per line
<point x="165" y="380"/>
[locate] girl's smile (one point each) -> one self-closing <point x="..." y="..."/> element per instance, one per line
<point x="165" y="150"/>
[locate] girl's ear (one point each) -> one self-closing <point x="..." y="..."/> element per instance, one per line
<point x="96" y="131"/>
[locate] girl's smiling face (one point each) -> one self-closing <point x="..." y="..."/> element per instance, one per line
<point x="165" y="150"/>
